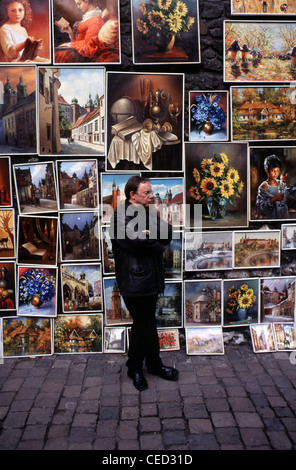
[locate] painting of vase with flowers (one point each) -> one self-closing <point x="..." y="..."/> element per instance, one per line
<point x="165" y="31"/>
<point x="208" y="115"/>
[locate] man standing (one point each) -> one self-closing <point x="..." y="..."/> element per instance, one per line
<point x="138" y="237"/>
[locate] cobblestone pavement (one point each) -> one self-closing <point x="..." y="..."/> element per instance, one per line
<point x="238" y="401"/>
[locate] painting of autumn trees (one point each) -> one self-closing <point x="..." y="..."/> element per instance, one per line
<point x="26" y="336"/>
<point x="78" y="334"/>
<point x="263" y="113"/>
<point x="7" y="234"/>
<point x="259" y="51"/>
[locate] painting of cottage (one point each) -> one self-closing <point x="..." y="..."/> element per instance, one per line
<point x="78" y="334"/>
<point x="203" y="302"/>
<point x="277" y="299"/>
<point x="26" y="336"/>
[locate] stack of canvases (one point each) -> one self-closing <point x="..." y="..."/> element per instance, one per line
<point x="62" y="112"/>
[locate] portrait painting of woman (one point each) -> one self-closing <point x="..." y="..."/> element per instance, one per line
<point x="86" y="31"/>
<point x="24" y="31"/>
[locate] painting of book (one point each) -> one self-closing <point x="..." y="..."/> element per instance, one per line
<point x="263" y="339"/>
<point x="78" y="334"/>
<point x="81" y="287"/>
<point x="37" y="240"/>
<point x="145" y="121"/>
<point x="263" y="113"/>
<point x="166" y="32"/>
<point x="259" y="51"/>
<point x="204" y="340"/>
<point x="202" y="303"/>
<point x="26" y="336"/>
<point x="277" y="299"/>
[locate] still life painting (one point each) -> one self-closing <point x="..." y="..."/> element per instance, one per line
<point x="241" y="302"/>
<point x="165" y="31"/>
<point x="7" y="287"/>
<point x="208" y="115"/>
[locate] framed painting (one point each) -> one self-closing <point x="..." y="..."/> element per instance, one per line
<point x="165" y="32"/>
<point x="114" y="339"/>
<point x="79" y="236"/>
<point x="263" y="113"/>
<point x="78" y="185"/>
<point x="18" y="134"/>
<point x="204" y="341"/>
<point x="257" y="249"/>
<point x="169" y="199"/>
<point x="7" y="233"/>
<point x="202" y="303"/>
<point x="263" y="339"/>
<point x="37" y="291"/>
<point x="86" y="33"/>
<point x="70" y="114"/>
<point x="37" y="240"/>
<point x="5" y="182"/>
<point x="7" y="287"/>
<point x="288" y="236"/>
<point x="107" y="251"/>
<point x="30" y="31"/>
<point x="112" y="192"/>
<point x="145" y="120"/>
<point x="116" y="312"/>
<point x="168" y="339"/>
<point x="272" y="183"/>
<point x="81" y="287"/>
<point x="208" y="116"/>
<point x="216" y="182"/>
<point x="241" y="302"/>
<point x="78" y="334"/>
<point x="277" y="299"/>
<point x="27" y="337"/>
<point x="207" y="251"/>
<point x="35" y="185"/>
<point x="256" y="7"/>
<point x="169" y="306"/>
<point x="285" y="336"/>
<point x="173" y="257"/>
<point x="259" y="51"/>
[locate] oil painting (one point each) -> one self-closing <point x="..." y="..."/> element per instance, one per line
<point x="257" y="249"/>
<point x="204" y="340"/>
<point x="202" y="303"/>
<point x="285" y="336"/>
<point x="277" y="299"/>
<point x="169" y="306"/>
<point x="116" y="312"/>
<point x="5" y="182"/>
<point x="169" y="199"/>
<point x="165" y="31"/>
<point x="241" y="302"/>
<point x="216" y="180"/>
<point x="208" y="115"/>
<point x="208" y="251"/>
<point x="7" y="287"/>
<point x="258" y="7"/>
<point x="288" y="237"/>
<point x="7" y="233"/>
<point x="112" y="192"/>
<point x="114" y="339"/>
<point x="263" y="339"/>
<point x="78" y="334"/>
<point x="145" y="121"/>
<point x="168" y="339"/>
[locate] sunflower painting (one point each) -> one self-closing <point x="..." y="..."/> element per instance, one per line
<point x="165" y="31"/>
<point x="241" y="302"/>
<point x="216" y="181"/>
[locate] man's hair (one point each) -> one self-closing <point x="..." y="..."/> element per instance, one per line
<point x="272" y="162"/>
<point x="133" y="185"/>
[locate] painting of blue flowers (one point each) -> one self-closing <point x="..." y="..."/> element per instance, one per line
<point x="37" y="291"/>
<point x="208" y="115"/>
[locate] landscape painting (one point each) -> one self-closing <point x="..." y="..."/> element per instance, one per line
<point x="288" y="237"/>
<point x="257" y="249"/>
<point x="277" y="299"/>
<point x="165" y="32"/>
<point x="107" y="251"/>
<point x="203" y="303"/>
<point x="173" y="256"/>
<point x="259" y="51"/>
<point x="81" y="287"/>
<point x="7" y="233"/>
<point x="112" y="193"/>
<point x="208" y="251"/>
<point x="78" y="334"/>
<point x="204" y="340"/>
<point x="256" y="7"/>
<point x="263" y="113"/>
<point x="26" y="336"/>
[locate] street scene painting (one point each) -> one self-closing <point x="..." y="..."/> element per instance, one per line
<point x="263" y="113"/>
<point x="277" y="299"/>
<point x="78" y="334"/>
<point x="35" y="187"/>
<point x="165" y="32"/>
<point x="116" y="312"/>
<point x="203" y="303"/>
<point x="285" y="336"/>
<point x="288" y="237"/>
<point x="73" y="124"/>
<point x="257" y="249"/>
<point x="263" y="339"/>
<point x="259" y="51"/>
<point x="112" y="193"/>
<point x="114" y="339"/>
<point x="18" y="90"/>
<point x="81" y="287"/>
<point x="204" y="340"/>
<point x="168" y="199"/>
<point x="77" y="184"/>
<point x="26" y="336"/>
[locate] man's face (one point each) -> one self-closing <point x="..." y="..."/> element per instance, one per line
<point x="143" y="195"/>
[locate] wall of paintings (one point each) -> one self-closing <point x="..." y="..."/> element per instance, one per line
<point x="197" y="95"/>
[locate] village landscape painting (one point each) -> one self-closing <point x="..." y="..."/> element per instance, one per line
<point x="257" y="249"/>
<point x="26" y="336"/>
<point x="78" y="334"/>
<point x="204" y="340"/>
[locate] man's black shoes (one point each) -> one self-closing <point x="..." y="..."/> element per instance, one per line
<point x="167" y="373"/>
<point x="138" y="378"/>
